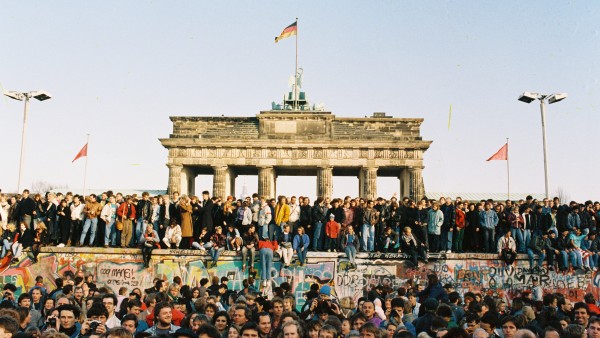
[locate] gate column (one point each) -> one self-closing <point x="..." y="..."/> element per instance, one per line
<point x="325" y="182"/>
<point x="174" y="178"/>
<point x="266" y="182"/>
<point x="220" y="181"/>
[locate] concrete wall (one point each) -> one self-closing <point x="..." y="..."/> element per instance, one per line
<point x="123" y="267"/>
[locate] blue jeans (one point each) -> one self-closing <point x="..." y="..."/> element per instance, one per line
<point x="523" y="238"/>
<point x="266" y="261"/>
<point x="488" y="240"/>
<point x="351" y="253"/>
<point x="565" y="257"/>
<point x="90" y="224"/>
<point x="215" y="253"/>
<point x="263" y="231"/>
<point x="5" y="247"/>
<point x="541" y="256"/>
<point x="577" y="259"/>
<point x="593" y="260"/>
<point x="368" y="237"/>
<point x="110" y="231"/>
<point x="317" y="240"/>
<point x="446" y="240"/>
<point x="139" y="228"/>
<point x="302" y="255"/>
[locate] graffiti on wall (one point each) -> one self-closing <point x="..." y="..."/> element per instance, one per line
<point x="126" y="270"/>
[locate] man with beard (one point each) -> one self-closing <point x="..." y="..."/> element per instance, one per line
<point x="163" y="316"/>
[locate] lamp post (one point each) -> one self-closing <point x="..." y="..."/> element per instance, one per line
<point x="38" y="95"/>
<point x="529" y="97"/>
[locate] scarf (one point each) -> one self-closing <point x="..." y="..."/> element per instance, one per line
<point x="408" y="239"/>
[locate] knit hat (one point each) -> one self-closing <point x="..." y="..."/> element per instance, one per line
<point x="331" y="216"/>
<point x="325" y="290"/>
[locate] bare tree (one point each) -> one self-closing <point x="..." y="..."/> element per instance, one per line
<point x="41" y="187"/>
<point x="562" y="194"/>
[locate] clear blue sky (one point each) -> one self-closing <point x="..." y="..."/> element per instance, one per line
<point x="119" y="69"/>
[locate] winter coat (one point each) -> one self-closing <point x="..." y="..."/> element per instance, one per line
<point x="435" y="221"/>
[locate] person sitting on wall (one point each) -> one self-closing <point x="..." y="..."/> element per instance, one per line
<point x="219" y="242"/>
<point x="411" y="247"/>
<point x="172" y="235"/>
<point x="149" y="241"/>
<point x="507" y="249"/>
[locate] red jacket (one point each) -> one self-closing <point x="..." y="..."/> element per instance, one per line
<point x="332" y="229"/>
<point x="130" y="212"/>
<point x="460" y="219"/>
<point x="268" y="245"/>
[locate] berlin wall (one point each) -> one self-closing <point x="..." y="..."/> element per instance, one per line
<point x="116" y="268"/>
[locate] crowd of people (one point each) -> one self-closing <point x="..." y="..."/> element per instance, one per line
<point x="78" y="308"/>
<point x="563" y="235"/>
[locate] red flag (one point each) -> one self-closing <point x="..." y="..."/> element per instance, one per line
<point x="501" y="154"/>
<point x="81" y="153"/>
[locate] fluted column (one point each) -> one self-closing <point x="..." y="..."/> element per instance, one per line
<point x="174" y="178"/>
<point x="404" y="178"/>
<point x="220" y="181"/>
<point x="266" y="182"/>
<point x="191" y="182"/>
<point x="324" y="182"/>
<point x="417" y="188"/>
<point x="231" y="176"/>
<point x="368" y="182"/>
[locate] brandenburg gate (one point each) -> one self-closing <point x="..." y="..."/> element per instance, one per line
<point x="296" y="142"/>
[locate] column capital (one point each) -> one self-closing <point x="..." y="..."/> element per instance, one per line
<point x="174" y="166"/>
<point x="327" y="166"/>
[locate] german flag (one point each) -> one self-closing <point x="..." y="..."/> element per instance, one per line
<point x="288" y="31"/>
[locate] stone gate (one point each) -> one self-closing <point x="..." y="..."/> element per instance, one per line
<point x="307" y="142"/>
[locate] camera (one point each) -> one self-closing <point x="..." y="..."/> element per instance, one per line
<point x="94" y="325"/>
<point x="51" y="322"/>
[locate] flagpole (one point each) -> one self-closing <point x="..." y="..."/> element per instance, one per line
<point x="87" y="144"/>
<point x="296" y="72"/>
<point x="507" y="169"/>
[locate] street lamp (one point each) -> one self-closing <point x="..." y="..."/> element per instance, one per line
<point x="529" y="97"/>
<point x="38" y="95"/>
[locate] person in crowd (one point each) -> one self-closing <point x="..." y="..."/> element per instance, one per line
<point x="125" y="218"/>
<point x="507" y="249"/>
<point x="282" y="214"/>
<point x="149" y="242"/>
<point x="63" y="214"/>
<point x="266" y="248"/>
<point x="172" y="237"/>
<point x="369" y="220"/>
<point x="218" y="242"/>
<point x="332" y="229"/>
<point x="537" y="247"/>
<point x="286" y="250"/>
<point x="350" y="244"/>
<point x="9" y="238"/>
<point x="411" y="247"/>
<point x="435" y="221"/>
<point x="488" y="220"/>
<point x="300" y="245"/>
<point x="250" y="244"/>
<point x="109" y="216"/>
<point x="92" y="211"/>
<point x="185" y="213"/>
<point x="40" y="238"/>
<point x="234" y="239"/>
<point x="319" y="212"/>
